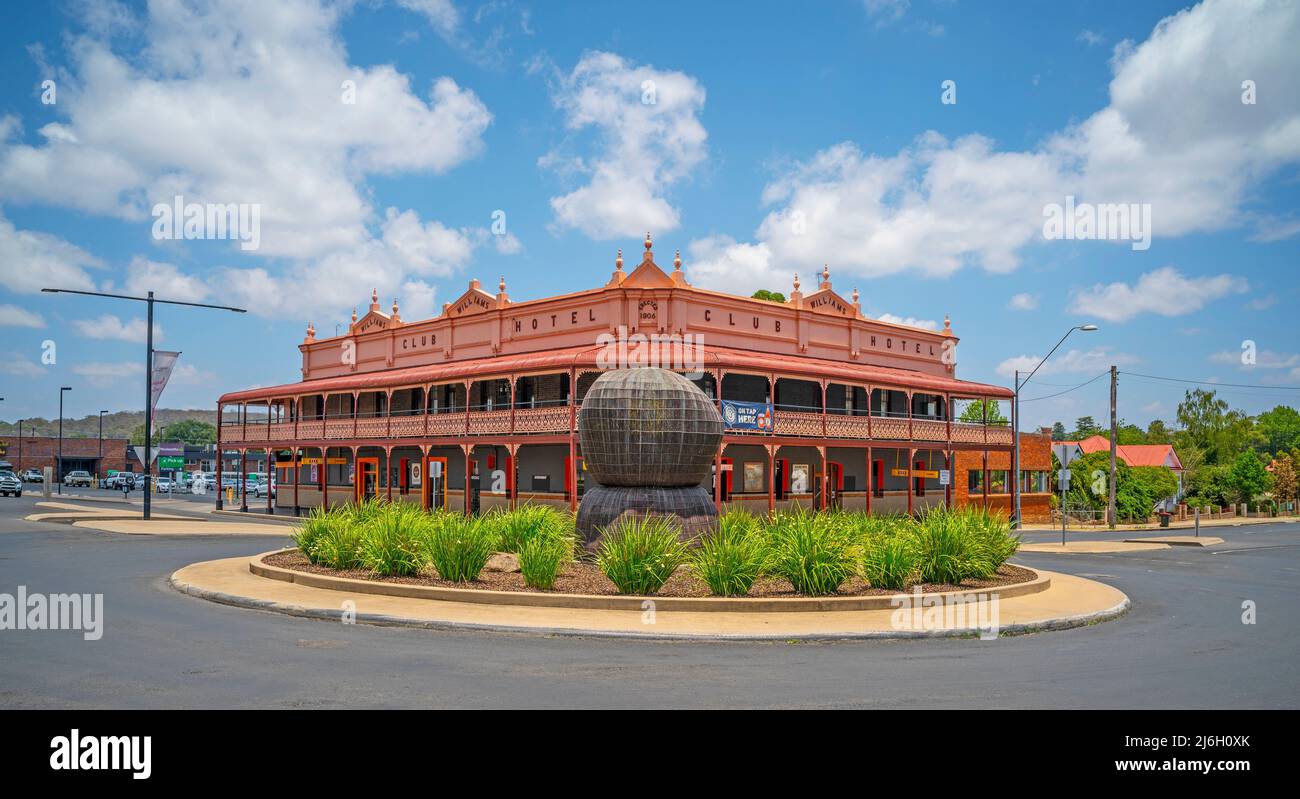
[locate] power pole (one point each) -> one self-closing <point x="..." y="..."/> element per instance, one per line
<point x="1114" y="443"/>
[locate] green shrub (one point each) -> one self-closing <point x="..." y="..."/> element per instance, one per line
<point x="515" y="528"/>
<point x="953" y="545"/>
<point x="638" y="555"/>
<point x="337" y="545"/>
<point x="310" y="531"/>
<point x="731" y="559"/>
<point x="889" y="561"/>
<point x="392" y="540"/>
<point x="815" y="552"/>
<point x="458" y="546"/>
<point x="543" y="557"/>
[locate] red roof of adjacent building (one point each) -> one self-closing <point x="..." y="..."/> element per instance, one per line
<point x="589" y="356"/>
<point x="1133" y="454"/>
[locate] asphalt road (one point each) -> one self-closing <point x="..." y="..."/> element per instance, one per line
<point x="1182" y="646"/>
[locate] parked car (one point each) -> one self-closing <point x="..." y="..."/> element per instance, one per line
<point x="33" y="476"/>
<point x="163" y="484"/>
<point x="77" y="478"/>
<point x="120" y="480"/>
<point x="262" y="488"/>
<point x="10" y="484"/>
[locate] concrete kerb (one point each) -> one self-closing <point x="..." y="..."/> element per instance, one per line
<point x="1115" y="604"/>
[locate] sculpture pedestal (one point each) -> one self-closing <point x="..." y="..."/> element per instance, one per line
<point x="691" y="506"/>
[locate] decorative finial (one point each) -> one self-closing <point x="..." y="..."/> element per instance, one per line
<point x="502" y="285"/>
<point x="394" y="306"/>
<point x="618" y="262"/>
<point x="796" y="281"/>
<point x="677" y="260"/>
<point x="826" y="273"/>
<point x="311" y="331"/>
<point x="855" y="296"/>
<point x="648" y="243"/>
<point x="374" y="295"/>
<point x="947" y="325"/>
<point x="354" y="316"/>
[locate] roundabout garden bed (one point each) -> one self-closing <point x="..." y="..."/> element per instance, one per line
<point x="793" y="555"/>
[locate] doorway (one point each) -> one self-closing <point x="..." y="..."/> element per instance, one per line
<point x="367" y="478"/>
<point x="434" y="484"/>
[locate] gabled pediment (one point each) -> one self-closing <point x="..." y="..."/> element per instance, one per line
<point x="474" y="301"/>
<point x="826" y="301"/>
<point x="372" y="322"/>
<point x="648" y="276"/>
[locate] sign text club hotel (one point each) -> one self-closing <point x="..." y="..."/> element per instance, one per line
<point x="821" y="405"/>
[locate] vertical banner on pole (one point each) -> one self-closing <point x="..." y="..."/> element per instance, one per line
<point x="163" y="363"/>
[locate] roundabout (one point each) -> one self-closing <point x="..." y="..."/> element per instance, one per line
<point x="1049" y="601"/>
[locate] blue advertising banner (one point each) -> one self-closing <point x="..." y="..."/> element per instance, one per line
<point x="747" y="415"/>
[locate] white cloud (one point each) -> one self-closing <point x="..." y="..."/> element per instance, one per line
<point x="910" y="321"/>
<point x="1090" y="38"/>
<point x="886" y="12"/>
<point x="441" y="14"/>
<point x="1267" y="360"/>
<point x="1075" y="361"/>
<point x="13" y="316"/>
<point x="165" y="280"/>
<point x="1023" y="302"/>
<point x="941" y="205"/>
<point x="719" y="262"/>
<point x="241" y="102"/>
<point x="31" y="261"/>
<point x="19" y="366"/>
<point x="1262" y="303"/>
<point x="650" y="137"/>
<point x="111" y="328"/>
<point x="103" y="375"/>
<point x="1164" y="291"/>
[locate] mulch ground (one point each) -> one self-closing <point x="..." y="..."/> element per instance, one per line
<point x="586" y="578"/>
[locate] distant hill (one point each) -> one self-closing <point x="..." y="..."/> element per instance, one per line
<point x="116" y="425"/>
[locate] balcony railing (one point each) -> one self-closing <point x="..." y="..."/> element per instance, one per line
<point x="555" y="419"/>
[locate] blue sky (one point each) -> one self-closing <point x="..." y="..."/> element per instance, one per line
<point x="781" y="136"/>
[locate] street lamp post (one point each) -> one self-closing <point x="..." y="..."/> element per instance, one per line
<point x="58" y="464"/>
<point x="1015" y="416"/>
<point x="148" y="365"/>
<point x="101" y="444"/>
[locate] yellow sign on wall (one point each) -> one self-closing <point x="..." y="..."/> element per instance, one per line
<point x="309" y="462"/>
<point x="915" y="473"/>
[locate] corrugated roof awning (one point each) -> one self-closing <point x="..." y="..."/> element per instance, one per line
<point x="592" y="356"/>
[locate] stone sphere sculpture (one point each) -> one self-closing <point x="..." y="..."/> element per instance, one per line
<point x="649" y="437"/>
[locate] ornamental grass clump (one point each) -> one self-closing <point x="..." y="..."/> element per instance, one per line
<point x="392" y="539"/>
<point x="338" y="543"/>
<point x="956" y="544"/>
<point x="314" y="525"/>
<point x="458" y="547"/>
<point x="817" y="553"/>
<point x="517" y="527"/>
<point x="543" y="557"/>
<point x="638" y="555"/>
<point x="730" y="560"/>
<point x="889" y="561"/>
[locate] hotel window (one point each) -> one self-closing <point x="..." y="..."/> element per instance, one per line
<point x="975" y="482"/>
<point x="1033" y="482"/>
<point x="997" y="481"/>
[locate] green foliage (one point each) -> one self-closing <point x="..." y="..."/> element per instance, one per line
<point x="889" y="561"/>
<point x="1209" y="425"/>
<point x="638" y="555"/>
<point x="1279" y="429"/>
<point x="1085" y="427"/>
<point x="313" y="527"/>
<point x="189" y="431"/>
<point x="458" y="547"/>
<point x="337" y="546"/>
<point x="517" y="527"/>
<point x="543" y="557"/>
<point x="952" y="545"/>
<point x="1209" y="485"/>
<point x="975" y="413"/>
<point x="764" y="294"/>
<point x="817" y="553"/>
<point x="1248" y="477"/>
<point x="731" y="559"/>
<point x="392" y="539"/>
<point x="1058" y="432"/>
<point x="1137" y="488"/>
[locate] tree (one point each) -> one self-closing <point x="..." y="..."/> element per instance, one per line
<point x="1157" y="433"/>
<point x="1248" y="477"/>
<point x="1279" y="429"/>
<point x="1058" y="432"/>
<point x="772" y="296"/>
<point x="1208" y="485"/>
<point x="189" y="431"/>
<point x="1209" y="425"/>
<point x="1284" y="479"/>
<point x="976" y="410"/>
<point x="1085" y="427"/>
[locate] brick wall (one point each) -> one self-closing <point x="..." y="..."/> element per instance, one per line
<point x="37" y="452"/>
<point x="1035" y="456"/>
